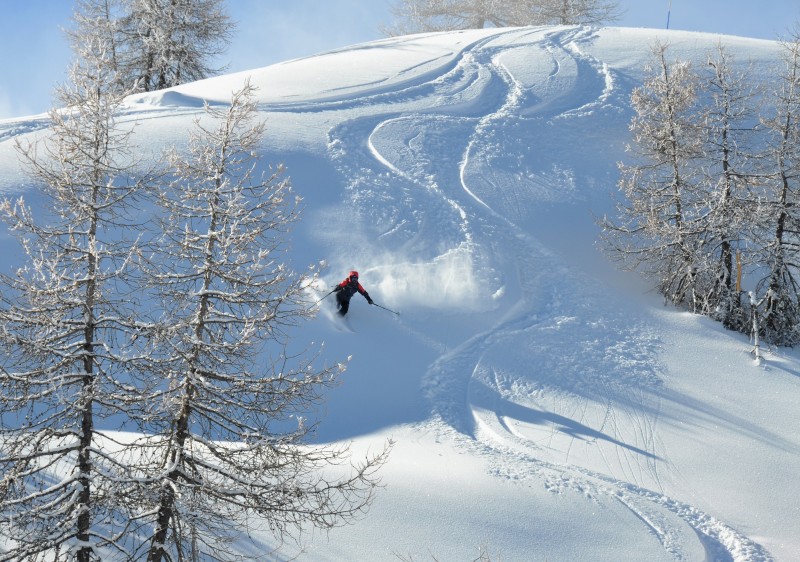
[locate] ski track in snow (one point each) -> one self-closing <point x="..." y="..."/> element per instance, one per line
<point x="553" y="425"/>
<point x="15" y="128"/>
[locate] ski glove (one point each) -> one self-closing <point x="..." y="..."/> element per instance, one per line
<point x="369" y="300"/>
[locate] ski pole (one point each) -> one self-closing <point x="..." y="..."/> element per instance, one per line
<point x="326" y="296"/>
<point x="384" y="308"/>
<point x="322" y="299"/>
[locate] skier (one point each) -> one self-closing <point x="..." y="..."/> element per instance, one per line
<point x="345" y="291"/>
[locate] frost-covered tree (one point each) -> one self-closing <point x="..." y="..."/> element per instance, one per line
<point x="443" y="15"/>
<point x="173" y="41"/>
<point x="65" y="335"/>
<point x="729" y="120"/>
<point x="157" y="44"/>
<point x="575" y="12"/>
<point x="713" y="181"/>
<point x="99" y="20"/>
<point x="778" y="242"/>
<point x="657" y="230"/>
<point x="226" y="448"/>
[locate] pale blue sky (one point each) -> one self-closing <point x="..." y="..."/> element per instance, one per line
<point x="35" y="55"/>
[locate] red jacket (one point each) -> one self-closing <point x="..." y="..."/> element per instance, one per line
<point x="347" y="289"/>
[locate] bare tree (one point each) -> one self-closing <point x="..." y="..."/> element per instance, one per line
<point x="577" y="12"/>
<point x="226" y="444"/>
<point x="173" y="41"/>
<point x="443" y="15"/>
<point x="698" y="195"/>
<point x="156" y="44"/>
<point x="778" y="243"/>
<point x="657" y="230"/>
<point x="729" y="119"/>
<point x="99" y="19"/>
<point x="64" y="332"/>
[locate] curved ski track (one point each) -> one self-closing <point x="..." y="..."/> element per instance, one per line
<point x="501" y="98"/>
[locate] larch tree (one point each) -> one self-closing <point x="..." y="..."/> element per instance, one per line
<point x="778" y="241"/>
<point x="100" y="19"/>
<point x="157" y="44"/>
<point x="657" y="230"/>
<point x="65" y="332"/>
<point x="712" y="194"/>
<point x="413" y="16"/>
<point x="579" y="12"/>
<point x="729" y="120"/>
<point x="226" y="446"/>
<point x="173" y="41"/>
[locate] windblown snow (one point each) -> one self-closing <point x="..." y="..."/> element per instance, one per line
<point x="543" y="405"/>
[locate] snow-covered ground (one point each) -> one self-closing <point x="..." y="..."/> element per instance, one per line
<point x="543" y="405"/>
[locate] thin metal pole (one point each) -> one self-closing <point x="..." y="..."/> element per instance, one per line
<point x="320" y="300"/>
<point x="384" y="308"/>
<point x="669" y="11"/>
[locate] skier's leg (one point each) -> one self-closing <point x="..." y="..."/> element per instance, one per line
<point x="344" y="305"/>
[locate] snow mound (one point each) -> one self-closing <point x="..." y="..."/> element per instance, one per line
<point x="166" y="98"/>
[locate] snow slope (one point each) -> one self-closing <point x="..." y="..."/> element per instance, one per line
<point x="544" y="406"/>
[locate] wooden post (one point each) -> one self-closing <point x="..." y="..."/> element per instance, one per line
<point x="738" y="272"/>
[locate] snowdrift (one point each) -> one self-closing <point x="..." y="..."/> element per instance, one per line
<point x="544" y="406"/>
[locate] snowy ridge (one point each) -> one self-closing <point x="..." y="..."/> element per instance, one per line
<point x="543" y="404"/>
